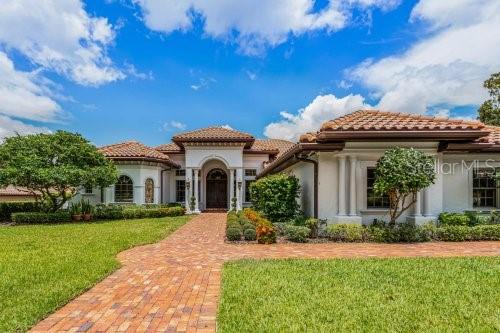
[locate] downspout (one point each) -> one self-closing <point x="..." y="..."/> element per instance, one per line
<point x="315" y="165"/>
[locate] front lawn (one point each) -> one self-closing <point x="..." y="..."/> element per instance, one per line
<point x="42" y="267"/>
<point x="361" y="295"/>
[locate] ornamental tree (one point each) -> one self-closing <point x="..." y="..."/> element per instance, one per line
<point x="276" y="196"/>
<point x="53" y="166"/>
<point x="489" y="111"/>
<point x="400" y="174"/>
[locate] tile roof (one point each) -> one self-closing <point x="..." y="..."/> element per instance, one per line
<point x="370" y="120"/>
<point x="135" y="150"/>
<point x="382" y="121"/>
<point x="272" y="145"/>
<point x="493" y="137"/>
<point x="216" y="133"/>
<point x="168" y="148"/>
<point x="14" y="191"/>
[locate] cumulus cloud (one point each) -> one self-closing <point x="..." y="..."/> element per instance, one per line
<point x="174" y="125"/>
<point x="60" y="36"/>
<point x="9" y="127"/>
<point x="310" y="118"/>
<point x="254" y="26"/>
<point x="447" y="67"/>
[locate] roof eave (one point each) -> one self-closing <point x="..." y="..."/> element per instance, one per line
<point x="145" y="159"/>
<point x="450" y="135"/>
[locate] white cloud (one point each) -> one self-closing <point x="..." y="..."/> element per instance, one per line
<point x="23" y="95"/>
<point x="9" y="127"/>
<point x="173" y="124"/>
<point x="254" y="26"/>
<point x="446" y="68"/>
<point x="227" y="127"/>
<point x="251" y="75"/>
<point x="310" y="118"/>
<point x="60" y="36"/>
<point x="203" y="83"/>
<point x="132" y="71"/>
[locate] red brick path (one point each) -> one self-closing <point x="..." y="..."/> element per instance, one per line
<point x="174" y="285"/>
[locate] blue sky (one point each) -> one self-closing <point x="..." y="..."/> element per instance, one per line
<point x="145" y="70"/>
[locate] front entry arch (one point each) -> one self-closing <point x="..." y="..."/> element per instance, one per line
<point x="216" y="189"/>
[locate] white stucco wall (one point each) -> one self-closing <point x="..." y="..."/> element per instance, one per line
<point x="305" y="173"/>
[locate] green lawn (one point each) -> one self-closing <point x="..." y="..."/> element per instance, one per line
<point x="42" y="267"/>
<point x="356" y="295"/>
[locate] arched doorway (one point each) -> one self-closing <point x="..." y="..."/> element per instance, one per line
<point x="216" y="190"/>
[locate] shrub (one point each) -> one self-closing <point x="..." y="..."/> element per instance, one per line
<point x="280" y="227"/>
<point x="108" y="212"/>
<point x="345" y="232"/>
<point x="247" y="226"/>
<point x="485" y="232"/>
<point x="7" y="208"/>
<point x="41" y="218"/>
<point x="376" y="234"/>
<point x="250" y="234"/>
<point x="453" y="219"/>
<point x="276" y="196"/>
<point x="495" y="217"/>
<point x="428" y="232"/>
<point x="453" y="233"/>
<point x="266" y="234"/>
<point x="251" y="214"/>
<point x="233" y="234"/>
<point x="297" y="234"/>
<point x="114" y="212"/>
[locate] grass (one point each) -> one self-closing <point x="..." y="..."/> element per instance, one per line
<point x="361" y="295"/>
<point x="42" y="267"/>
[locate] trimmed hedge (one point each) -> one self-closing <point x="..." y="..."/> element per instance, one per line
<point x="297" y="234"/>
<point x="41" y="218"/>
<point x="7" y="208"/>
<point x="346" y="232"/>
<point x="117" y="212"/>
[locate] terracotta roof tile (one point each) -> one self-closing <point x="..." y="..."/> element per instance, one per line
<point x="213" y="133"/>
<point x="168" y="148"/>
<point x="14" y="191"/>
<point x="272" y="145"/>
<point x="493" y="137"/>
<point x="369" y="120"/>
<point x="134" y="150"/>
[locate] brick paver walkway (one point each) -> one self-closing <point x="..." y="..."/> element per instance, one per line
<point x="174" y="285"/>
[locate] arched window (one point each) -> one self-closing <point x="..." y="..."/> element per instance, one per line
<point x="149" y="192"/>
<point x="124" y="189"/>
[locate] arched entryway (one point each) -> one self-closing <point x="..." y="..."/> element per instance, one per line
<point x="216" y="189"/>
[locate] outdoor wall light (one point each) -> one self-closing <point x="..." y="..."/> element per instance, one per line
<point x="239" y="184"/>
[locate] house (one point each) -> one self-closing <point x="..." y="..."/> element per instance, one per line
<point x="12" y="193"/>
<point x="335" y="166"/>
<point x="213" y="165"/>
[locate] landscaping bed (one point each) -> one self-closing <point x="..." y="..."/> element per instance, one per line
<point x="42" y="267"/>
<point x="361" y="295"/>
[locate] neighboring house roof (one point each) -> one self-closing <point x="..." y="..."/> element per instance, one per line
<point x="365" y="124"/>
<point x="133" y="150"/>
<point x="169" y="148"/>
<point x="14" y="191"/>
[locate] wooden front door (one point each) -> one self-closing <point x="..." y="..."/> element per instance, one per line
<point x="216" y="189"/>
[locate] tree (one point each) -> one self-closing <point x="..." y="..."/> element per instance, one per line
<point x="400" y="174"/>
<point x="276" y="196"/>
<point x="489" y="111"/>
<point x="54" y="166"/>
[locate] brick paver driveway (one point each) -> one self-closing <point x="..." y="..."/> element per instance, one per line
<point x="174" y="285"/>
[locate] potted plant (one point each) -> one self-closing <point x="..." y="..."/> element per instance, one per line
<point x="192" y="203"/>
<point x="75" y="211"/>
<point x="86" y="210"/>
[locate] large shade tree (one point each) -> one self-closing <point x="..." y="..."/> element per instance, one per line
<point x="400" y="174"/>
<point x="54" y="166"/>
<point x="489" y="112"/>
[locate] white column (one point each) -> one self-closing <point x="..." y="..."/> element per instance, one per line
<point x="239" y="185"/>
<point x="427" y="202"/>
<point x="352" y="186"/>
<point x="342" y="185"/>
<point x="189" y="175"/>
<point x="231" y="188"/>
<point x="196" y="178"/>
<point x="416" y="207"/>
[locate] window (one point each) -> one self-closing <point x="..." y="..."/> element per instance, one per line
<point x="88" y="189"/>
<point x="180" y="190"/>
<point x="484" y="188"/>
<point x="247" y="189"/>
<point x="180" y="173"/>
<point x="374" y="200"/>
<point x="250" y="172"/>
<point x="124" y="189"/>
<point x="149" y="191"/>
